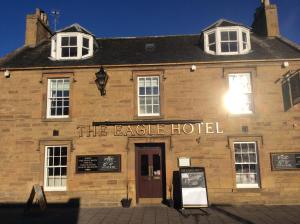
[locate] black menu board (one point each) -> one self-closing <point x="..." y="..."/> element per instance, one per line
<point x="98" y="163"/>
<point x="193" y="187"/>
<point x="285" y="161"/>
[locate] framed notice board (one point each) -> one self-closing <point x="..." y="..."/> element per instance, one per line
<point x="98" y="163"/>
<point x="193" y="187"/>
<point x="285" y="161"/>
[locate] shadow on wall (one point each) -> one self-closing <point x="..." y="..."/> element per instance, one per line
<point x="11" y="213"/>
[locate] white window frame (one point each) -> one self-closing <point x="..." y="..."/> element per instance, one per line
<point x="56" y="47"/>
<point x="53" y="188"/>
<point x="49" y="99"/>
<point x="218" y="31"/>
<point x="256" y="185"/>
<point x="138" y="96"/>
<point x="242" y="93"/>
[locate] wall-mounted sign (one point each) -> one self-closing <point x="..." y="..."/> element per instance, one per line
<point x="285" y="161"/>
<point x="98" y="163"/>
<point x="193" y="187"/>
<point x="184" y="162"/>
<point x="147" y="128"/>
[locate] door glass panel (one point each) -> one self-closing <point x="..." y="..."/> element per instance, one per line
<point x="144" y="165"/>
<point x="156" y="165"/>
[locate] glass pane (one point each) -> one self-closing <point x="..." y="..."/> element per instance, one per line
<point x="73" y="41"/>
<point x="244" y="46"/>
<point x="224" y="36"/>
<point x="73" y="51"/>
<point x="245" y="158"/>
<point x="142" y="90"/>
<point x="233" y="47"/>
<point x="212" y="47"/>
<point x="252" y="168"/>
<point x="66" y="111"/>
<point x="238" y="158"/>
<point x="238" y="178"/>
<point x="52" y="112"/>
<point x="156" y="109"/>
<point x="57" y="171"/>
<point x="50" y="182"/>
<point x="211" y="38"/>
<point x="63" y="181"/>
<point x="237" y="147"/>
<point x="66" y="103"/>
<point x="63" y="161"/>
<point x="244" y="37"/>
<point x="64" y="171"/>
<point x="85" y="51"/>
<point x="142" y="100"/>
<point x="244" y="147"/>
<point x="66" y="93"/>
<point x="155" y="90"/>
<point x="57" y="182"/>
<point x="57" y="151"/>
<point x="56" y="161"/>
<point x="59" y="111"/>
<point x="142" y="82"/>
<point x="85" y="42"/>
<point x="50" y="149"/>
<point x="142" y="109"/>
<point x="155" y="81"/>
<point x="155" y="100"/>
<point x="225" y="47"/>
<point x="148" y="91"/>
<point x="144" y="165"/>
<point x="148" y="100"/>
<point x="149" y="108"/>
<point x="148" y="82"/>
<point x="156" y="165"/>
<point x="233" y="35"/>
<point x="252" y="157"/>
<point x="251" y="147"/>
<point x="245" y="168"/>
<point x="50" y="160"/>
<point x="50" y="171"/>
<point x="59" y="103"/>
<point x="63" y="151"/>
<point x="238" y="168"/>
<point x="65" y="52"/>
<point x="64" y="41"/>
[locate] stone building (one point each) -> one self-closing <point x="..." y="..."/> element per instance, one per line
<point x="102" y="119"/>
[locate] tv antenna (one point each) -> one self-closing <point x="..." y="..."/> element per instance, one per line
<point x="55" y="14"/>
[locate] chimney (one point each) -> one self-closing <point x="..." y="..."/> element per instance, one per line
<point x="37" y="28"/>
<point x="266" y="20"/>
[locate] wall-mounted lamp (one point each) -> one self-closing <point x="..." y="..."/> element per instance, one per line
<point x="193" y="68"/>
<point x="285" y="64"/>
<point x="6" y="74"/>
<point x="101" y="80"/>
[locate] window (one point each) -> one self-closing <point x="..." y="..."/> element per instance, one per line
<point x="148" y="96"/>
<point x="71" y="46"/>
<point x="55" y="177"/>
<point x="58" y="98"/>
<point x="246" y="164"/>
<point x="227" y="41"/>
<point x="291" y="90"/>
<point x="212" y="41"/>
<point x="238" y="100"/>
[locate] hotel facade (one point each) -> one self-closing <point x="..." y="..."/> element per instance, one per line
<point x="101" y="119"/>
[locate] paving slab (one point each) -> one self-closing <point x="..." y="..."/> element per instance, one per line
<point x="250" y="214"/>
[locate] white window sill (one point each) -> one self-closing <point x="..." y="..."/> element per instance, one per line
<point x="243" y="186"/>
<point x="55" y="189"/>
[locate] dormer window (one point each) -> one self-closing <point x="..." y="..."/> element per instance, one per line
<point x="69" y="45"/>
<point x="227" y="38"/>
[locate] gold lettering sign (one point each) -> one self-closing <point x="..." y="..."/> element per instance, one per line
<point x="149" y="129"/>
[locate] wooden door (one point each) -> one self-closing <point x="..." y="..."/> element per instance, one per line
<point x="149" y="171"/>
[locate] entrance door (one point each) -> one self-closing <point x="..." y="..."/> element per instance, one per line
<point x="149" y="171"/>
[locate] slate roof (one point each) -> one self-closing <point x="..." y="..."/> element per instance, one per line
<point x="167" y="49"/>
<point x="74" y="28"/>
<point x="224" y="23"/>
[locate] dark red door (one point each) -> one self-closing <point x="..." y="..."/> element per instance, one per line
<point x="149" y="173"/>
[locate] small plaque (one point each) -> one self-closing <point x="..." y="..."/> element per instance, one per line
<point x="184" y="162"/>
<point x="285" y="161"/>
<point x="98" y="163"/>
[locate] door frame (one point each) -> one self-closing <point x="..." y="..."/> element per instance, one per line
<point x="163" y="168"/>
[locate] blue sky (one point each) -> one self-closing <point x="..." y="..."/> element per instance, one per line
<point x="120" y="18"/>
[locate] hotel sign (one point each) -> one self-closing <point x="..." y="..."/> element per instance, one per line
<point x="149" y="128"/>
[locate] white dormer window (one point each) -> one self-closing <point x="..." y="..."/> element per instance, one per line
<point x="71" y="45"/>
<point x="227" y="40"/>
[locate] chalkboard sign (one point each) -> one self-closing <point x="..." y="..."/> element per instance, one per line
<point x="98" y="163"/>
<point x="285" y="161"/>
<point x="193" y="187"/>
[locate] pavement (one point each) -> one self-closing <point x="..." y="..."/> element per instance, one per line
<point x="251" y="214"/>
